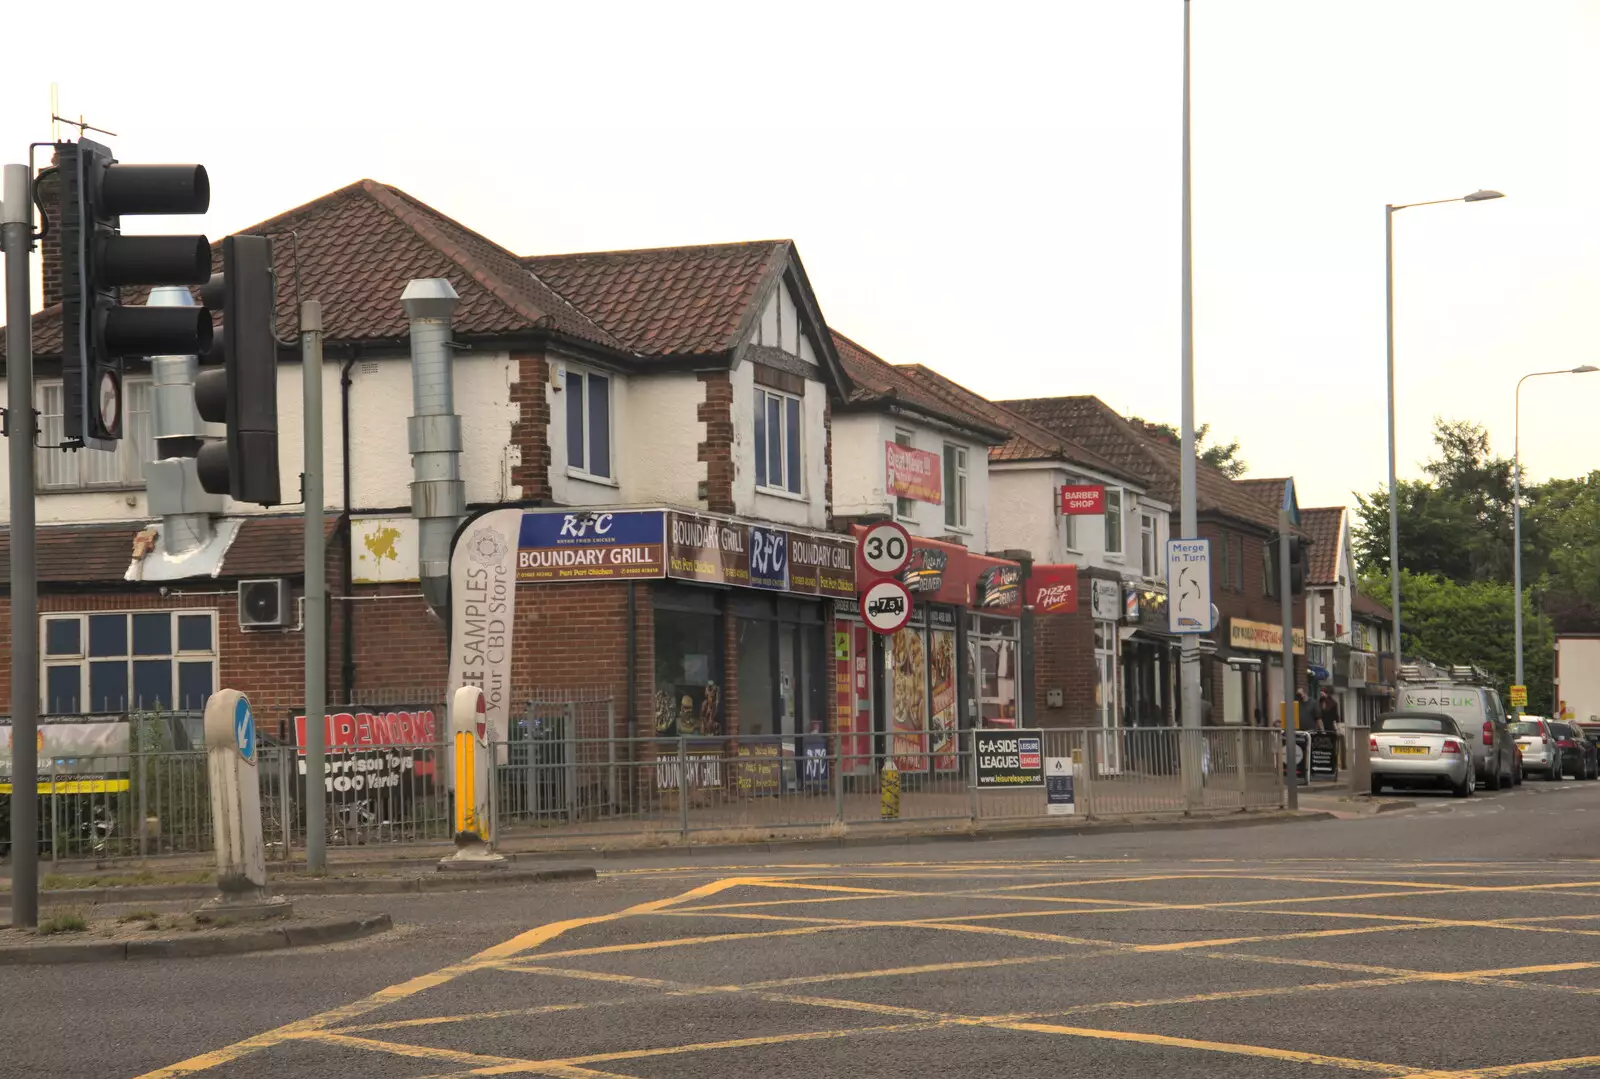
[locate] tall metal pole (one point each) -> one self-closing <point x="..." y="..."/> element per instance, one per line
<point x="1394" y="495"/>
<point x="16" y="234"/>
<point x="1516" y="523"/>
<point x="316" y="628"/>
<point x="1188" y="529"/>
<point x="1291" y="725"/>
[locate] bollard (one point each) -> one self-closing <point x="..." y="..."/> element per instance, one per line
<point x="231" y="764"/>
<point x="889" y="784"/>
<point x="472" y="764"/>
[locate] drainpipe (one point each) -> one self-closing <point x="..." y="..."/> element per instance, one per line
<point x="347" y="638"/>
<point x="172" y="485"/>
<point x="438" y="496"/>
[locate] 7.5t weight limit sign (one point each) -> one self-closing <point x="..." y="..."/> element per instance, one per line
<point x="885" y="549"/>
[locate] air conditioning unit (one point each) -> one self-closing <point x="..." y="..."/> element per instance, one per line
<point x="264" y="603"/>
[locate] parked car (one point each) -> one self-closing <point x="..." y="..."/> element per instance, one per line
<point x="1420" y="749"/>
<point x="1579" y="756"/>
<point x="1478" y="712"/>
<point x="1540" y="753"/>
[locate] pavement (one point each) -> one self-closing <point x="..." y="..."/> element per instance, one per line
<point x="1456" y="938"/>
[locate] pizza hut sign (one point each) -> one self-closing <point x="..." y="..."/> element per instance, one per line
<point x="1053" y="589"/>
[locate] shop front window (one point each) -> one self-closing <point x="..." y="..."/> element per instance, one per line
<point x="992" y="657"/>
<point x="688" y="669"/>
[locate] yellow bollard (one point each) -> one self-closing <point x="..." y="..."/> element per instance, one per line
<point x="889" y="783"/>
<point x="467" y="822"/>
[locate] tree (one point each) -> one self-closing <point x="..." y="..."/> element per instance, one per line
<point x="1224" y="457"/>
<point x="1456" y="523"/>
<point x="1450" y="622"/>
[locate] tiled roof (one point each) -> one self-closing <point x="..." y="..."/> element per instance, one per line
<point x="100" y="553"/>
<point x="1155" y="458"/>
<point x="357" y="248"/>
<point x="1324" y="525"/>
<point x="1268" y="489"/>
<point x="667" y="301"/>
<point x="77" y="553"/>
<point x="1366" y="605"/>
<point x="876" y="380"/>
<point x="271" y="546"/>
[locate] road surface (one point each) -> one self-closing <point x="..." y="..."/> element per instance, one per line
<point x="1462" y="940"/>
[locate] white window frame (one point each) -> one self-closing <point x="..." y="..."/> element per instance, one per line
<point x="583" y="471"/>
<point x="955" y="495"/>
<point x="1149" y="548"/>
<point x="782" y="487"/>
<point x="82" y="659"/>
<point x="56" y="470"/>
<point x="905" y="509"/>
<point x="1114" y="495"/>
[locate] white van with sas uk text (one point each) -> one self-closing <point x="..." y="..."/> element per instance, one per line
<point x="1477" y="711"/>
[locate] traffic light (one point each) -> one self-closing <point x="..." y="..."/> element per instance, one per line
<point x="1297" y="566"/>
<point x="97" y="332"/>
<point x="243" y="394"/>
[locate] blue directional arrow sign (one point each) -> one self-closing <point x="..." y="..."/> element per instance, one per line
<point x="244" y="729"/>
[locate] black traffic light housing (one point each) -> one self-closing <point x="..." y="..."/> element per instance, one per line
<point x="1297" y="565"/>
<point x="243" y="393"/>
<point x="97" y="332"/>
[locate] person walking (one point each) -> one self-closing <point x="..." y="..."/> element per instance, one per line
<point x="1331" y="721"/>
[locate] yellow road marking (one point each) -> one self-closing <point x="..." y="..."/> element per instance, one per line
<point x="401" y="990"/>
<point x="1232" y="1048"/>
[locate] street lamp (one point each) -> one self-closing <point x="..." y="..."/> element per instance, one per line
<point x="1394" y="496"/>
<point x="1516" y="498"/>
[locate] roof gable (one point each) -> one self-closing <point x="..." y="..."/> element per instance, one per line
<point x="1325" y="525"/>
<point x="1155" y="458"/>
<point x="876" y="383"/>
<point x="668" y="301"/>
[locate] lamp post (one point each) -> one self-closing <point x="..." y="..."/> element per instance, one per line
<point x="1394" y="497"/>
<point x="1516" y="498"/>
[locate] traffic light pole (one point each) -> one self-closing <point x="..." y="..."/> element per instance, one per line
<point x="16" y="232"/>
<point x="316" y="631"/>
<point x="1291" y="724"/>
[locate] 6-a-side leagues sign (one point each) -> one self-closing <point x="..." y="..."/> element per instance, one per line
<point x="1008" y="759"/>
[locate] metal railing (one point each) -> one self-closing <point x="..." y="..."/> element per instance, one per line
<point x="554" y="780"/>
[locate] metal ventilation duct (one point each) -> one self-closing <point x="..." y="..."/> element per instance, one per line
<point x="171" y="484"/>
<point x="438" y="496"/>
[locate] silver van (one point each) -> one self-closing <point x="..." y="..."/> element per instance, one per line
<point x="1479" y="714"/>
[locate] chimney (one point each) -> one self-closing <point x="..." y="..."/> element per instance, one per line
<point x="438" y="496"/>
<point x="49" y="188"/>
<point x="171" y="483"/>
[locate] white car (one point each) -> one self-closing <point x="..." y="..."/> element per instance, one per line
<point x="1540" y="751"/>
<point x="1421" y="749"/>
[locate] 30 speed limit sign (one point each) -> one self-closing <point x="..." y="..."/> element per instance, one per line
<point x="885" y="549"/>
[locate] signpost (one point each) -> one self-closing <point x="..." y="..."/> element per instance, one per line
<point x="1189" y="607"/>
<point x="885" y="549"/>
<point x="886" y="606"/>
<point x="1519" y="696"/>
<point x="474" y="777"/>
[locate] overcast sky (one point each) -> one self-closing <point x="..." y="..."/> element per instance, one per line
<point x="989" y="190"/>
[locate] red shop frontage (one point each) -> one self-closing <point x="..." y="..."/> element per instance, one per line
<point x="954" y="666"/>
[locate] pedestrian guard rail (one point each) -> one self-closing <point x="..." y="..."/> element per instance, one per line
<point x="551" y="782"/>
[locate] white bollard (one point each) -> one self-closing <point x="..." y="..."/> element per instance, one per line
<point x="472" y="772"/>
<point x="236" y="811"/>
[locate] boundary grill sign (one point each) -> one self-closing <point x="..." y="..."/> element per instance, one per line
<point x="1007" y="760"/>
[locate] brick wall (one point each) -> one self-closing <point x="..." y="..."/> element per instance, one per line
<point x="50" y="246"/>
<point x="530" y="433"/>
<point x="716" y="412"/>
<point x="1063" y="654"/>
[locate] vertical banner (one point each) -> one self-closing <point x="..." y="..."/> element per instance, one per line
<point x="908" y="699"/>
<point x="942" y="674"/>
<point x="483" y="598"/>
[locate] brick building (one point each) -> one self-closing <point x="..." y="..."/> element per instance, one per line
<point x="1241" y="669"/>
